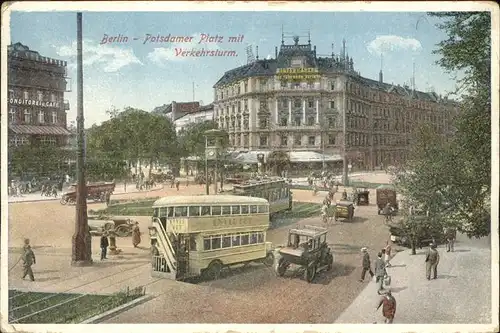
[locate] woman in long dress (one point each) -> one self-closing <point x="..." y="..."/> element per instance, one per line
<point x="136" y="235"/>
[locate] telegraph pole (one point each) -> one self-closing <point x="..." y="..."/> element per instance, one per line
<point x="81" y="241"/>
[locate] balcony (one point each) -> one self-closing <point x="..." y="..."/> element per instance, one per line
<point x="66" y="104"/>
<point x="299" y="127"/>
<point x="294" y="88"/>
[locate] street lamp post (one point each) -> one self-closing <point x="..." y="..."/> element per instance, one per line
<point x="345" y="176"/>
<point x="81" y="241"/>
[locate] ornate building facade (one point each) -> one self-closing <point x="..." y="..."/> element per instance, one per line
<point x="37" y="108"/>
<point x="299" y="101"/>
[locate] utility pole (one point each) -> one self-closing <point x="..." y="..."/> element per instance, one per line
<point x="193" y="91"/>
<point x="82" y="240"/>
<point x="207" y="177"/>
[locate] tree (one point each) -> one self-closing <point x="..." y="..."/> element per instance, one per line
<point x="278" y="160"/>
<point x="451" y="177"/>
<point x="131" y="135"/>
<point x="38" y="159"/>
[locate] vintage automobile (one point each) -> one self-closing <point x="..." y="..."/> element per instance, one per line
<point x="363" y="198"/>
<point x="307" y="248"/>
<point x="386" y="194"/>
<point x="344" y="209"/>
<point x="95" y="191"/>
<point x="121" y="226"/>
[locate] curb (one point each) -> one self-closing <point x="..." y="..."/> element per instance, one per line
<point x="113" y="312"/>
<point x="39" y="200"/>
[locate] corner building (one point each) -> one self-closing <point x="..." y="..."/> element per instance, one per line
<point x="37" y="108"/>
<point x="302" y="102"/>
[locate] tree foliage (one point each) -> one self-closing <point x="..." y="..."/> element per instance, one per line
<point x="131" y="135"/>
<point x="451" y="177"/>
<point x="39" y="159"/>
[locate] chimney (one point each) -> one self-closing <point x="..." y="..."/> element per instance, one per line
<point x="276" y="52"/>
<point x="380" y="77"/>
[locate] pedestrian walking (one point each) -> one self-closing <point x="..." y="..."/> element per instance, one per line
<point x="388" y="250"/>
<point x="29" y="260"/>
<point x="387" y="211"/>
<point x="136" y="235"/>
<point x="177" y="184"/>
<point x="104" y="245"/>
<point x="388" y="303"/>
<point x="451" y="235"/>
<point x="431" y="261"/>
<point x="380" y="272"/>
<point x="366" y="264"/>
<point x="108" y="198"/>
<point x="344" y="195"/>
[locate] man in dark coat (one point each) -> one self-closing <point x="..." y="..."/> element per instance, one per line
<point x="366" y="264"/>
<point x="104" y="245"/>
<point x="28" y="260"/>
<point x="380" y="272"/>
<point x="431" y="261"/>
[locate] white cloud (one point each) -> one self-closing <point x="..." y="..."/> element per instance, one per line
<point x="390" y="43"/>
<point x="110" y="58"/>
<point x="162" y="55"/>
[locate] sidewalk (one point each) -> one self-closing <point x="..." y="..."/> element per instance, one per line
<point x="119" y="189"/>
<point x="460" y="295"/>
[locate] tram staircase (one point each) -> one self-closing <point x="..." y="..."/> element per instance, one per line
<point x="166" y="249"/>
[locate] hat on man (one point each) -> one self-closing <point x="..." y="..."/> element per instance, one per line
<point x="364" y="249"/>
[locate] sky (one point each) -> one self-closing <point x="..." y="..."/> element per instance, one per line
<point x="144" y="74"/>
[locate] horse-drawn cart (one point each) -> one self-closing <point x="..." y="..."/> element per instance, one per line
<point x="95" y="191"/>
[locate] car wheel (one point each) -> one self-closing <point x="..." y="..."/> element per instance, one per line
<point x="310" y="272"/>
<point x="122" y="231"/>
<point x="282" y="267"/>
<point x="213" y="271"/>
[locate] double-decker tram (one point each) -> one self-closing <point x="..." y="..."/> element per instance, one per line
<point x="275" y="190"/>
<point x="201" y="234"/>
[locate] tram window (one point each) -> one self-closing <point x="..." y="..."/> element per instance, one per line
<point x="205" y="210"/>
<point x="235" y="210"/>
<point x="226" y="210"/>
<point x="244" y="239"/>
<point x="260" y="237"/>
<point x="253" y="209"/>
<point x="206" y="244"/>
<point x="244" y="209"/>
<point x="226" y="241"/>
<point x="170" y="211"/>
<point x="236" y="240"/>
<point x="216" y="240"/>
<point x="194" y="211"/>
<point x="253" y="238"/>
<point x="263" y="209"/>
<point x="180" y="211"/>
<point x="216" y="210"/>
<point x="156" y="212"/>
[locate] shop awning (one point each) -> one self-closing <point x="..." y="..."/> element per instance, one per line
<point x="39" y="130"/>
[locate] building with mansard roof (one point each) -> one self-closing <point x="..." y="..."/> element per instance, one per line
<point x="300" y="101"/>
<point x="36" y="105"/>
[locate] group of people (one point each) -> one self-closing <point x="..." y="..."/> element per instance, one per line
<point x="104" y="244"/>
<point x="381" y="278"/>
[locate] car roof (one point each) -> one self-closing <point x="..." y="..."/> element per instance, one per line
<point x="180" y="200"/>
<point x="309" y="231"/>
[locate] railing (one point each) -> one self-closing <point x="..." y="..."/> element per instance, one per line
<point x="160" y="264"/>
<point x="166" y="246"/>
